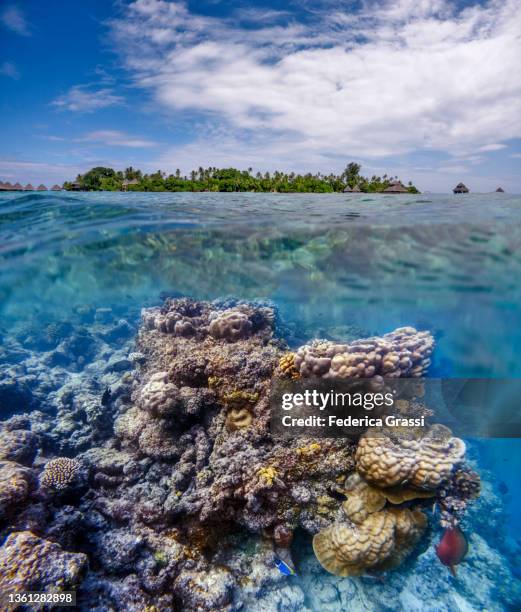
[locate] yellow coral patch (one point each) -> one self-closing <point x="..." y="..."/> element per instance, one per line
<point x="267" y="474"/>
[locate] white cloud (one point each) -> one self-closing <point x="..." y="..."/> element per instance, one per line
<point x="8" y="69"/>
<point x="492" y="147"/>
<point x="81" y="99"/>
<point x="397" y="77"/>
<point x="117" y="139"/>
<point x="14" y="20"/>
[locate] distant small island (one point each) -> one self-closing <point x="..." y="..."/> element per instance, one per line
<point x="232" y="180"/>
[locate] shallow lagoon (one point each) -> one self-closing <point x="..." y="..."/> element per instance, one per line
<point x="336" y="266"/>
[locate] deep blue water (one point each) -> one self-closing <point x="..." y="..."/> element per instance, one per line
<point x="335" y="265"/>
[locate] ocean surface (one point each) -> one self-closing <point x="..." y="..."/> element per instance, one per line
<point x="330" y="263"/>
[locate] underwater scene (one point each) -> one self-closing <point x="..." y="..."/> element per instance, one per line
<point x="141" y="334"/>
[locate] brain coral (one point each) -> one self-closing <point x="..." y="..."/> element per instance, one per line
<point x="380" y="542"/>
<point x="403" y="352"/>
<point x="158" y="395"/>
<point x="59" y="473"/>
<point x="425" y="463"/>
<point x="231" y="325"/>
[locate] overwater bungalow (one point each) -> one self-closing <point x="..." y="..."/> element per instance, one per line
<point x="41" y="188"/>
<point x="460" y="188"/>
<point x="500" y="190"/>
<point x="348" y="189"/>
<point x="56" y="188"/>
<point x="6" y="186"/>
<point x="75" y="187"/>
<point x="17" y="187"/>
<point x="356" y="189"/>
<point x="28" y="187"/>
<point x="395" y="187"/>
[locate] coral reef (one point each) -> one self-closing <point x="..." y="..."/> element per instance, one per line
<point x="403" y="352"/>
<point x="186" y="500"/>
<point x="422" y="459"/>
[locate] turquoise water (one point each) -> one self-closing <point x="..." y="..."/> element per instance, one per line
<point x="335" y="265"/>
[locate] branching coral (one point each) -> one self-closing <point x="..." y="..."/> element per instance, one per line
<point x="59" y="473"/>
<point x="403" y="352"/>
<point x="424" y="461"/>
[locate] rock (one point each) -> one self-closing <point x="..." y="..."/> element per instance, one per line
<point x="210" y="590"/>
<point x="18" y="445"/>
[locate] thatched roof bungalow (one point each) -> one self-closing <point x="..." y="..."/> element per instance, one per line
<point x="17" y="187"/>
<point x="348" y="189"/>
<point x="126" y="183"/>
<point x="356" y="189"/>
<point x="395" y="187"/>
<point x="75" y="187"/>
<point x="460" y="188"/>
<point x="28" y="187"/>
<point x="500" y="190"/>
<point x="56" y="188"/>
<point x="41" y="188"/>
<point x="6" y="186"/>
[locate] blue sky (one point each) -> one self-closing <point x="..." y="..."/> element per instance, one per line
<point x="426" y="89"/>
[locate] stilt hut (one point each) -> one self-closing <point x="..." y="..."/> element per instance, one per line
<point x="56" y="188"/>
<point x="6" y="186"/>
<point x="17" y="187"/>
<point x="28" y="187"/>
<point x="41" y="188"/>
<point x="395" y="187"/>
<point x="356" y="189"/>
<point x="348" y="189"/>
<point x="460" y="188"/>
<point x="500" y="190"/>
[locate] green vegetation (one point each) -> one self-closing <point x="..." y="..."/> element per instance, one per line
<point x="230" y="180"/>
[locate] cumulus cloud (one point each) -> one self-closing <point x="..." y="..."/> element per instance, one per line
<point x="395" y="77"/>
<point x="13" y="19"/>
<point x="8" y="69"/>
<point x="83" y="99"/>
<point x="117" y="139"/>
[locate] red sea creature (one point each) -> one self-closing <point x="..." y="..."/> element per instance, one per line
<point x="452" y="548"/>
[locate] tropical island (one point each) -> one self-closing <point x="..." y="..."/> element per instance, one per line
<point x="232" y="180"/>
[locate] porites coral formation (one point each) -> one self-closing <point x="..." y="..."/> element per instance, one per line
<point x="424" y="460"/>
<point x="403" y="352"/>
<point x="381" y="541"/>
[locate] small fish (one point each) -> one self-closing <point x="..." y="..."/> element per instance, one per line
<point x="452" y="548"/>
<point x="284" y="568"/>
